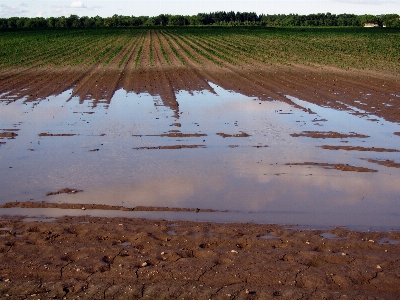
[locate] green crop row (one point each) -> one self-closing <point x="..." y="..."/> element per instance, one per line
<point x="164" y="53"/>
<point x="134" y="43"/>
<point x="182" y="47"/>
<point x="361" y="48"/>
<point x="178" y="56"/>
<point x="139" y="52"/>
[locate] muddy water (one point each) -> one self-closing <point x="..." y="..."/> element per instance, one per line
<point x="220" y="150"/>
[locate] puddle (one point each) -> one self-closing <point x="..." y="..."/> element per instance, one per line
<point x="386" y="241"/>
<point x="271" y="235"/>
<point x="38" y="219"/>
<point x="329" y="236"/>
<point x="124" y="244"/>
<point x="220" y="150"/>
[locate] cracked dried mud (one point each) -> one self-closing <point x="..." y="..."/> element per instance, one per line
<point x="105" y="258"/>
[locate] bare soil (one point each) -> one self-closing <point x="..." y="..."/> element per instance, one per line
<point x="384" y="162"/>
<point x="340" y="167"/>
<point x="329" y="134"/>
<point x="102" y="258"/>
<point x="358" y="148"/>
<point x="29" y="204"/>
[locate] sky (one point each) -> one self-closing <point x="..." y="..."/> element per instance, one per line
<point x="106" y="8"/>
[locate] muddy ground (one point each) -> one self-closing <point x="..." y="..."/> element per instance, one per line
<point x="106" y="258"/>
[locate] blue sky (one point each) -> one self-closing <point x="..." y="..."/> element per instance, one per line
<point x="104" y="8"/>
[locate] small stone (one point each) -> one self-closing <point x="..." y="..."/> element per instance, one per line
<point x="144" y="264"/>
<point x="234" y="251"/>
<point x="378" y="267"/>
<point x="371" y="241"/>
<point x="83" y="208"/>
<point x="73" y="191"/>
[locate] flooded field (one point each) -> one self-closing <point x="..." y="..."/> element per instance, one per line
<point x="230" y="156"/>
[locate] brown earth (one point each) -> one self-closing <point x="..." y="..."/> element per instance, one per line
<point x="107" y="258"/>
<point x="340" y="167"/>
<point x="329" y="134"/>
<point x="55" y="134"/>
<point x="358" y="148"/>
<point x="29" y="204"/>
<point x="384" y="162"/>
<point x="170" y="147"/>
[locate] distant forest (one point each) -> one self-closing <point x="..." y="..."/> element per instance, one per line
<point x="220" y="18"/>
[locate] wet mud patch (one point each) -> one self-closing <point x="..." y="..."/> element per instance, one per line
<point x="340" y="167"/>
<point x="173" y="134"/>
<point x="56" y="134"/>
<point x="171" y="147"/>
<point x="227" y="135"/>
<point x="328" y="134"/>
<point x="64" y="191"/>
<point x="358" y="148"/>
<point x="84" y="112"/>
<point x="7" y="134"/>
<point x="397" y="133"/>
<point x="30" y="204"/>
<point x="383" y="162"/>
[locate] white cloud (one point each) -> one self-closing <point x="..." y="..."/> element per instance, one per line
<point x="78" y="4"/>
<point x="7" y="10"/>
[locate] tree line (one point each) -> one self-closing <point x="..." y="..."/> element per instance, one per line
<point x="220" y="18"/>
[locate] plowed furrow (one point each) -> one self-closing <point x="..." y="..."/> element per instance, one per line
<point x="125" y="59"/>
<point x="172" y="51"/>
<point x="213" y="50"/>
<point x="86" y="57"/>
<point x="197" y="53"/>
<point x="144" y="59"/>
<point x="163" y="46"/>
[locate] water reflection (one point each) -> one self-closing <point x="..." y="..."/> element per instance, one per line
<point x="241" y="168"/>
